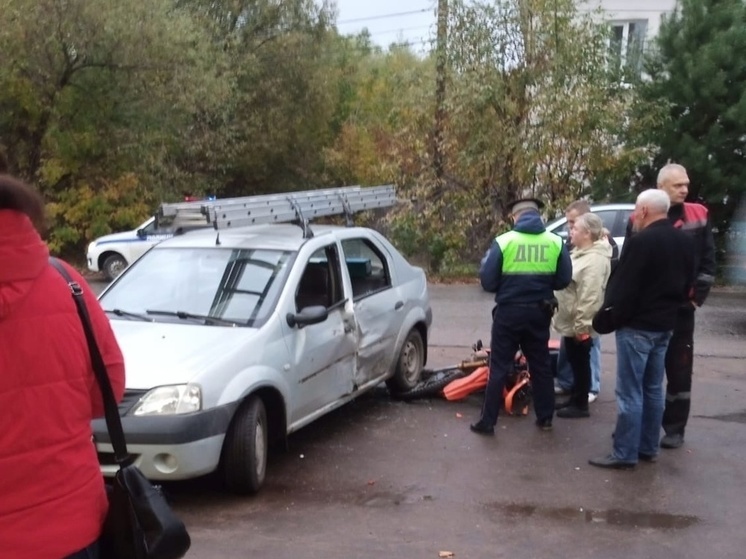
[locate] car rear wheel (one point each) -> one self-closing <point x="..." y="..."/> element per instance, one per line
<point x="113" y="265"/>
<point x="244" y="461"/>
<point x="409" y="364"/>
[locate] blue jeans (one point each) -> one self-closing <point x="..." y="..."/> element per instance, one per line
<point x="564" y="371"/>
<point x="641" y="359"/>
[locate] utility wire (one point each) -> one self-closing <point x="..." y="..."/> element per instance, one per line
<point x="384" y="16"/>
<point x="394" y="44"/>
<point x="423" y="10"/>
<point x="399" y="29"/>
<point x="629" y="10"/>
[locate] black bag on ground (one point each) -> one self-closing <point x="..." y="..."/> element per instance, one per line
<point x="139" y="524"/>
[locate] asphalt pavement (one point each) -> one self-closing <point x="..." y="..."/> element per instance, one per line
<point x="383" y="478"/>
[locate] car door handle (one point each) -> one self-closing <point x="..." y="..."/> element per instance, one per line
<point x="399" y="304"/>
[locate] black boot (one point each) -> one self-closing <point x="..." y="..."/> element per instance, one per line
<point x="573" y="412"/>
<point x="482" y="428"/>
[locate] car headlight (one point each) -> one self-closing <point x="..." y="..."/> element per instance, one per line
<point x="170" y="400"/>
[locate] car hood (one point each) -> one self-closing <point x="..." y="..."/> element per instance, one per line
<point x="114" y="237"/>
<point x="157" y="354"/>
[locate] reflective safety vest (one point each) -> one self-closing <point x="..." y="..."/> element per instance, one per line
<point x="525" y="254"/>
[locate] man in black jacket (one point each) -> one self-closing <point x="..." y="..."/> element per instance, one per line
<point x="650" y="283"/>
<point x="693" y="220"/>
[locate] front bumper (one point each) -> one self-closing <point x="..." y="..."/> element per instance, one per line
<point x="169" y="447"/>
<point x="91" y="259"/>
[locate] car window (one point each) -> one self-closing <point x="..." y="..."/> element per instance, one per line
<point x="366" y="266"/>
<point x="240" y="285"/>
<point x="321" y="282"/>
<point x="609" y="220"/>
<point x="620" y="229"/>
<point x="558" y="227"/>
<point x="149" y="229"/>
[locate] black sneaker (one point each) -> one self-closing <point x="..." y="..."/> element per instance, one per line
<point x="647" y="457"/>
<point x="675" y="440"/>
<point x="611" y="462"/>
<point x="544" y="424"/>
<point x="482" y="428"/>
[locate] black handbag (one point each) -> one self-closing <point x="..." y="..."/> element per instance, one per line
<point x="603" y="321"/>
<point x="140" y="524"/>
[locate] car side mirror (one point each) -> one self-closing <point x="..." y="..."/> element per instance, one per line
<point x="141" y="233"/>
<point x="308" y="315"/>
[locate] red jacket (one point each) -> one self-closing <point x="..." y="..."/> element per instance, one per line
<point x="52" y="497"/>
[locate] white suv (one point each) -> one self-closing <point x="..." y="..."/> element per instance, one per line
<point x="614" y="216"/>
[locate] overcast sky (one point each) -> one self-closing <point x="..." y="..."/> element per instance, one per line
<point x="389" y="20"/>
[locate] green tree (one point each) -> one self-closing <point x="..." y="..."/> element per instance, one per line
<point x="698" y="72"/>
<point x="532" y="109"/>
<point x="270" y="134"/>
<point x="96" y="99"/>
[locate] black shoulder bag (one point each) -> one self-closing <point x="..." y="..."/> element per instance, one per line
<point x="603" y="321"/>
<point x="139" y="524"/>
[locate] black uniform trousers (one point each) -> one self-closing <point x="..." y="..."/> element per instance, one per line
<point x="679" y="369"/>
<point x="525" y="327"/>
<point x="579" y="357"/>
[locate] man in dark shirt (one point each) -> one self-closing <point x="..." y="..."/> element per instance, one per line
<point x="693" y="220"/>
<point x="650" y="283"/>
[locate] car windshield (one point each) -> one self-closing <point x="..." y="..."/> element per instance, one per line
<point x="223" y="286"/>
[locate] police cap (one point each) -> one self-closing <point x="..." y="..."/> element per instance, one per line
<point x="524" y="204"/>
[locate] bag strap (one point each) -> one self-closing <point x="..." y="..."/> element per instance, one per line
<point x="111" y="410"/>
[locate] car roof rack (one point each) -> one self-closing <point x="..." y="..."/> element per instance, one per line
<point x="291" y="207"/>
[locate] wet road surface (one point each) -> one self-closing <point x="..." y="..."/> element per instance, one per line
<point x="381" y="478"/>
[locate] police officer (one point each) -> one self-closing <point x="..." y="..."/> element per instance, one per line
<point x="523" y="268"/>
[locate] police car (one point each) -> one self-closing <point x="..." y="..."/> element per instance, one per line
<point x="111" y="254"/>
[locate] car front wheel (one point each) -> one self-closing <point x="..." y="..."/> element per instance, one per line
<point x="409" y="364"/>
<point x="244" y="461"/>
<point x="113" y="265"/>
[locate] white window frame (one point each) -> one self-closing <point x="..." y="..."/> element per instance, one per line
<point x="626" y="26"/>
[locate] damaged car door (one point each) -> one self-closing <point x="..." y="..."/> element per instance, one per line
<point x="323" y="352"/>
<point x="378" y="312"/>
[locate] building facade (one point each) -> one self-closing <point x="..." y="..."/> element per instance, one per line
<point x="634" y="23"/>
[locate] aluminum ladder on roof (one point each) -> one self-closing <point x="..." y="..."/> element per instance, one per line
<point x="280" y="208"/>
